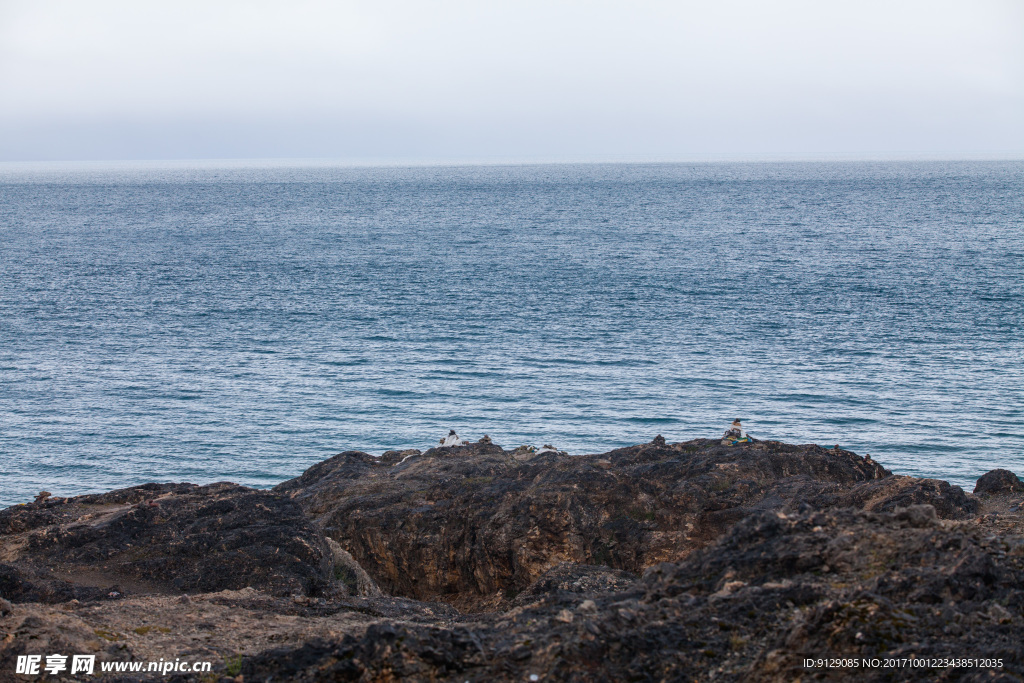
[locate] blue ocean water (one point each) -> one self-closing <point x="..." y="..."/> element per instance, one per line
<point x="242" y="322"/>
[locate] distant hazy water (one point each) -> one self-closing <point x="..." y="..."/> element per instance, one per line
<point x="244" y="323"/>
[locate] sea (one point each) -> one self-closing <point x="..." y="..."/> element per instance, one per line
<point x="242" y="321"/>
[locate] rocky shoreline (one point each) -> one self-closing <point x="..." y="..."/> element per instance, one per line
<point x="683" y="561"/>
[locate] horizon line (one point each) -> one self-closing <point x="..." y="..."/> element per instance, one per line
<point x="413" y="162"/>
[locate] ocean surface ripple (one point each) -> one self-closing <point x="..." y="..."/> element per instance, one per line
<point x="242" y="322"/>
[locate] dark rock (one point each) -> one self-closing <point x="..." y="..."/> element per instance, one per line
<point x="384" y="652"/>
<point x="776" y="589"/>
<point x="998" y="481"/>
<point x="394" y="457"/>
<point x="918" y="516"/>
<point x="574" y="578"/>
<point x="463" y="524"/>
<point x="892" y="492"/>
<point x="191" y="538"/>
<point x="752" y="557"/>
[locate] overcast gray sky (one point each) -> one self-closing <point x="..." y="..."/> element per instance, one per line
<point x="403" y="80"/>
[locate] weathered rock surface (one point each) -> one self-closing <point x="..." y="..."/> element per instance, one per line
<point x="775" y="590"/>
<point x="161" y="539"/>
<point x="998" y="481"/>
<point x="474" y="525"/>
<point x="575" y="578"/>
<point x="688" y="561"/>
<point x="218" y="627"/>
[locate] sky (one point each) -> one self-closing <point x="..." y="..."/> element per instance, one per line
<point x="409" y="81"/>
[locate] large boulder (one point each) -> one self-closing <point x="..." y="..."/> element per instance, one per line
<point x="998" y="481"/>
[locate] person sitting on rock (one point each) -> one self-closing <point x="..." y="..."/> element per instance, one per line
<point x="452" y="439"/>
<point x="735" y="434"/>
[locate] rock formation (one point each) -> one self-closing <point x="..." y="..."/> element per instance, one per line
<point x="688" y="561"/>
<point x="998" y="481"/>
